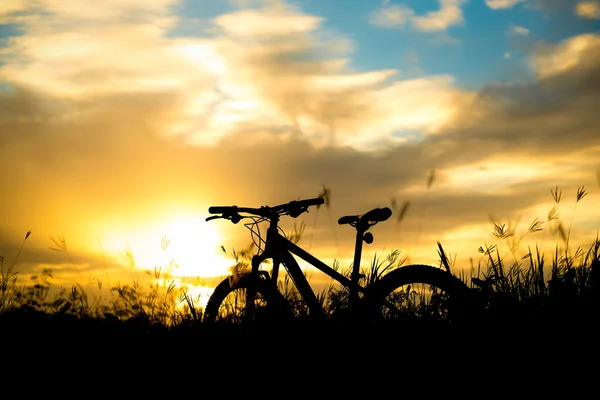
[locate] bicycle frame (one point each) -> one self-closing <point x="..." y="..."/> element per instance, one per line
<point x="281" y="250"/>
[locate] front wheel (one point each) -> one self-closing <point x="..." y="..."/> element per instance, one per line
<point x="245" y="299"/>
<point x="417" y="293"/>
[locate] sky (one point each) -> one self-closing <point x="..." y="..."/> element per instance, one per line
<point x="122" y="121"/>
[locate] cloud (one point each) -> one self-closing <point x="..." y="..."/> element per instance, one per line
<point x="392" y="15"/>
<point x="241" y="3"/>
<point x="82" y="50"/>
<point x="96" y="137"/>
<point x="300" y="78"/>
<point x="553" y="6"/>
<point x="588" y="9"/>
<point x="277" y="21"/>
<point x="10" y="7"/>
<point x="574" y="53"/>
<point x="551" y="111"/>
<point x="443" y="39"/>
<point x="81" y="13"/>
<point x="270" y="69"/>
<point x="448" y="15"/>
<point x="519" y="30"/>
<point x="500" y="4"/>
<point x="132" y="83"/>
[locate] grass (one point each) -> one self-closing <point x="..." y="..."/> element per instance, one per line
<point x="513" y="288"/>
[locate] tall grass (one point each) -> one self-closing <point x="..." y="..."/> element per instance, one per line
<point x="512" y="285"/>
<point x="531" y="285"/>
<point x="162" y="303"/>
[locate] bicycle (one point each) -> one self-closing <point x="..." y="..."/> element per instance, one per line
<point x="255" y="295"/>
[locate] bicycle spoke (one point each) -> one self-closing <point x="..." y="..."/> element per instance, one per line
<point x="244" y="300"/>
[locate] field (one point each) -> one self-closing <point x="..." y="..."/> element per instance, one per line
<point x="532" y="293"/>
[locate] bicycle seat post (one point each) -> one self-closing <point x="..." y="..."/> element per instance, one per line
<point x="353" y="299"/>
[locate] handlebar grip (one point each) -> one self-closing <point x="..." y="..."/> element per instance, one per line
<point x="296" y="207"/>
<point x="227" y="212"/>
<point x="317" y="201"/>
<point x="221" y="209"/>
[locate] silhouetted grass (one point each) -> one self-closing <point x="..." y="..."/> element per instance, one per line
<point x="512" y="290"/>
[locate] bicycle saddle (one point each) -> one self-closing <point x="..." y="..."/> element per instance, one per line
<point x="368" y="219"/>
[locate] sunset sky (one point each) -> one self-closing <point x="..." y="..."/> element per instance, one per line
<point x="122" y="121"/>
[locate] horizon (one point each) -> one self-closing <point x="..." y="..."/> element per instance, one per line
<point x="122" y="122"/>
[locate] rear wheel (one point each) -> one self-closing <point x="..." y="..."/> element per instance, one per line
<point x="417" y="293"/>
<point x="246" y="299"/>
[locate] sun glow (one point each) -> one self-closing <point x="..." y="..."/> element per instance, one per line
<point x="194" y="246"/>
<point x="180" y="246"/>
<point x="197" y="293"/>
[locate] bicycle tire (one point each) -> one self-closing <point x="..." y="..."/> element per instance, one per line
<point x="455" y="292"/>
<point x="273" y="308"/>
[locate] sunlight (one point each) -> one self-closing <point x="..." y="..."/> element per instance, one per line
<point x="181" y="246"/>
<point x="194" y="247"/>
<point x="494" y="175"/>
<point x="200" y="294"/>
<point x="197" y="292"/>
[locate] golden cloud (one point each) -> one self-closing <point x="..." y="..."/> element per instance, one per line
<point x="499" y="4"/>
<point x="265" y="67"/>
<point x="551" y="60"/>
<point x="449" y="14"/>
<point x="588" y="9"/>
<point x="269" y="22"/>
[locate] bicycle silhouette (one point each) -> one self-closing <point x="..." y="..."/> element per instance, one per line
<point x="255" y="295"/>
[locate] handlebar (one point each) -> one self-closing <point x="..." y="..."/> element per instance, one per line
<point x="293" y="209"/>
